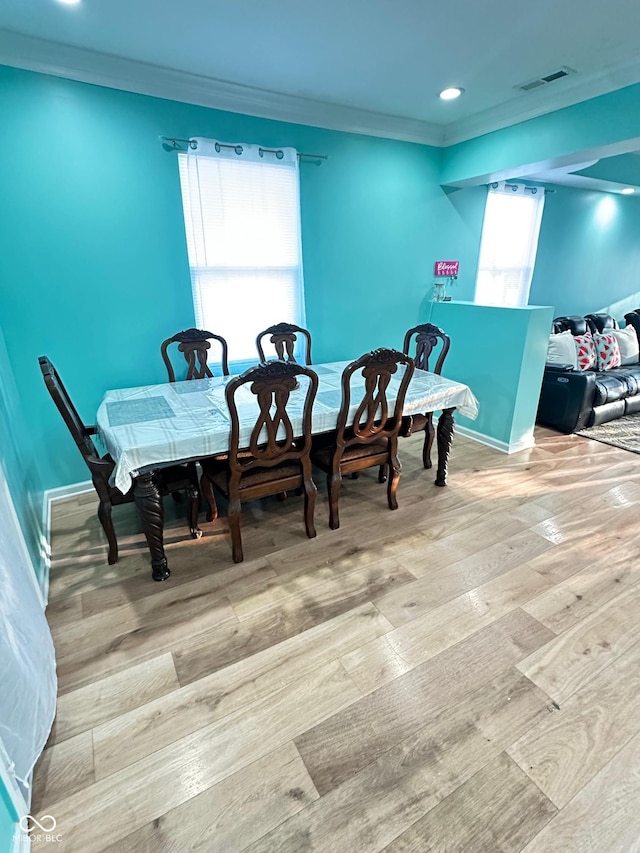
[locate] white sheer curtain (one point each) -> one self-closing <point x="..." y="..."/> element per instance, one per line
<point x="509" y="243"/>
<point x="27" y="664"/>
<point x="242" y="219"/>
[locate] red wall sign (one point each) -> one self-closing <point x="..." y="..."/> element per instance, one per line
<point x="446" y="267"/>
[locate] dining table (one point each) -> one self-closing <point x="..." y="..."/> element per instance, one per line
<point x="148" y="427"/>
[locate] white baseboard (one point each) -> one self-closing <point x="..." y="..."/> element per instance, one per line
<point x="51" y="495"/>
<point x="69" y="491"/>
<point x="503" y="446"/>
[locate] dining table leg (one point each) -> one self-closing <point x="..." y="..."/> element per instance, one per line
<point x="444" y="438"/>
<point x="149" y="502"/>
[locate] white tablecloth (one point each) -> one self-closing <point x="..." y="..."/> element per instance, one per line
<point x="153" y="425"/>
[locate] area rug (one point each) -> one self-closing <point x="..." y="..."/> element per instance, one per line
<point x="623" y="432"/>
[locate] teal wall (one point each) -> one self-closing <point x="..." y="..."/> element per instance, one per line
<point x="588" y="253"/>
<point x="469" y="205"/>
<point x="548" y="140"/>
<point x="93" y="262"/>
<point x="8" y="821"/>
<point x="18" y="460"/>
<point x="532" y="361"/>
<point x="624" y="169"/>
<point x="500" y="354"/>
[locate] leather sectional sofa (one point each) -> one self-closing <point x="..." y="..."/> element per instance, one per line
<point x="571" y="400"/>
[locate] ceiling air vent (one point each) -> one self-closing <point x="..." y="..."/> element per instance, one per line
<point x="544" y="81"/>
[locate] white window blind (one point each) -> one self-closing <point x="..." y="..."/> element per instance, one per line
<point x="509" y="243"/>
<point x="242" y="219"/>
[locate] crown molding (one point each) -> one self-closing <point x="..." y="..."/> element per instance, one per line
<point x="115" y="72"/>
<point x="102" y="69"/>
<point x="528" y="105"/>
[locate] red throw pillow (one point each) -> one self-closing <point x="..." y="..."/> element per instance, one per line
<point x="586" y="350"/>
<point x="608" y="351"/>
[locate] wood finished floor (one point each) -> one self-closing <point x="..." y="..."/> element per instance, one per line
<point x="460" y="675"/>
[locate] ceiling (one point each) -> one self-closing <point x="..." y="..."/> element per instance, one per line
<point x="382" y="62"/>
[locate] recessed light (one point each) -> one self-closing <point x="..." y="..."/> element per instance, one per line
<point x="451" y="93"/>
<point x="69" y="2"/>
<point x="627" y="191"/>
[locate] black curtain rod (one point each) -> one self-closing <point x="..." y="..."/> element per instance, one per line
<point x="176" y="142"/>
<point x="533" y="190"/>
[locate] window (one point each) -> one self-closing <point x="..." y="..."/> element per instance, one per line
<point x="242" y="219"/>
<point x="509" y="243"/>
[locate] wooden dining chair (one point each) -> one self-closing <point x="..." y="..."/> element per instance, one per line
<point x="427" y="337"/>
<point x="170" y="479"/>
<point x="369" y="438"/>
<point x="274" y="460"/>
<point x="284" y="337"/>
<point x="195" y="344"/>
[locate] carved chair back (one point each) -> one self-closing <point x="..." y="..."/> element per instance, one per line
<point x="78" y="430"/>
<point x="194" y="344"/>
<point x="284" y="337"/>
<point x="272" y="439"/>
<point x="376" y="417"/>
<point x="427" y="336"/>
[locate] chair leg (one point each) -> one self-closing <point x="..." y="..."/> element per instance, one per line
<point x="355" y="475"/>
<point x="234" y="528"/>
<point x="207" y="492"/>
<point x="394" y="479"/>
<point x="383" y="473"/>
<point x="282" y="496"/>
<point x="429" y="435"/>
<point x="310" y="491"/>
<point x="194" y="508"/>
<point x="333" y="488"/>
<point x="104" y="516"/>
